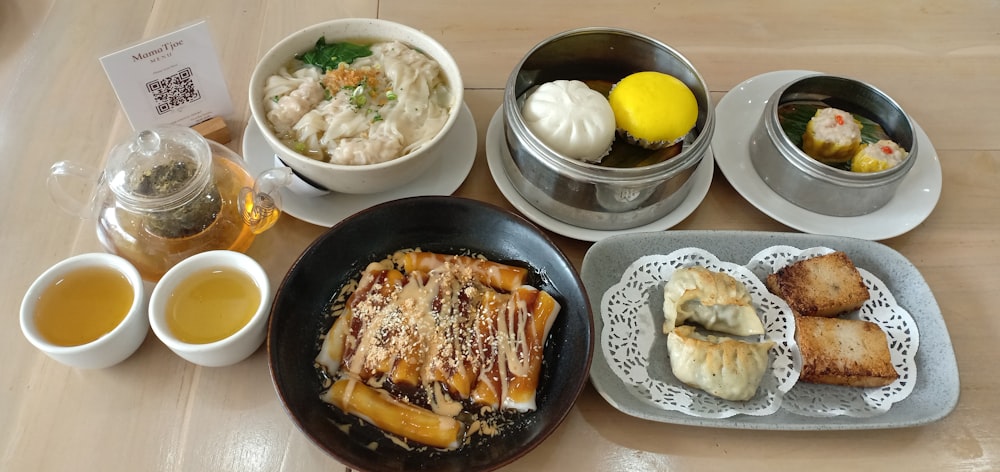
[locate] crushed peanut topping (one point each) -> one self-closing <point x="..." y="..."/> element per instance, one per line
<point x="444" y="337"/>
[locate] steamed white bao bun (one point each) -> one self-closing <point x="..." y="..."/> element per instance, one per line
<point x="572" y="119"/>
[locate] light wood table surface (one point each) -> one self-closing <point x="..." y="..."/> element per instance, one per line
<point x="939" y="58"/>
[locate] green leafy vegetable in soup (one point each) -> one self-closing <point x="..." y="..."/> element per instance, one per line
<point x="328" y="56"/>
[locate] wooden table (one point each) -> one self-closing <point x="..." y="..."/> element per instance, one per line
<point x="939" y="58"/>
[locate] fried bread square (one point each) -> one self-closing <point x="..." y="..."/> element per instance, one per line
<point x="846" y="352"/>
<point x="826" y="285"/>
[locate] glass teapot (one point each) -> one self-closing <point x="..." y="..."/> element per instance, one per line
<point x="168" y="193"/>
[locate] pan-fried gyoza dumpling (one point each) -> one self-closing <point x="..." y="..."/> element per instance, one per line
<point x="724" y="367"/>
<point x="714" y="300"/>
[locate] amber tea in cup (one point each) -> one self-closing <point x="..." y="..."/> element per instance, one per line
<point x="87" y="311"/>
<point x="212" y="304"/>
<point x="83" y="305"/>
<point x="212" y="308"/>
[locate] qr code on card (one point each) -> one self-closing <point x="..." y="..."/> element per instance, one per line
<point x="173" y="91"/>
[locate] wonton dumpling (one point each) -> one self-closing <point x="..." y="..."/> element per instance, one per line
<point x="571" y="118"/>
<point x="724" y="367"/>
<point x="711" y="299"/>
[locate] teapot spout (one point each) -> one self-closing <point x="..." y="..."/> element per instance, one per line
<point x="261" y="205"/>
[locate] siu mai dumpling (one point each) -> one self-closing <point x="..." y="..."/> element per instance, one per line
<point x="714" y="300"/>
<point x="878" y="156"/>
<point x="832" y="136"/>
<point x="724" y="367"/>
<point x="571" y="118"/>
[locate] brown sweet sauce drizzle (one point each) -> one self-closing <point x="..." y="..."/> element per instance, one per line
<point x="432" y="354"/>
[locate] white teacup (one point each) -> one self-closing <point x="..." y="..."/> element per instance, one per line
<point x="106" y="350"/>
<point x="228" y="350"/>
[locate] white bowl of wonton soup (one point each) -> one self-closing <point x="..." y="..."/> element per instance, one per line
<point x="356" y="105"/>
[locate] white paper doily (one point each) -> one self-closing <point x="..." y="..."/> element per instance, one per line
<point x="881" y="308"/>
<point x="635" y="346"/>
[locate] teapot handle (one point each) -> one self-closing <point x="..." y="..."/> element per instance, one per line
<point x="73" y="187"/>
<point x="261" y="205"/>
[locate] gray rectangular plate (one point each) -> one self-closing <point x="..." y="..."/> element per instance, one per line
<point x="937" y="388"/>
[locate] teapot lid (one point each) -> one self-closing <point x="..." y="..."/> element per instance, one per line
<point x="160" y="168"/>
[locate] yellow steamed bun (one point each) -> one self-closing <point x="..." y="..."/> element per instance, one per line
<point x="653" y="109"/>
